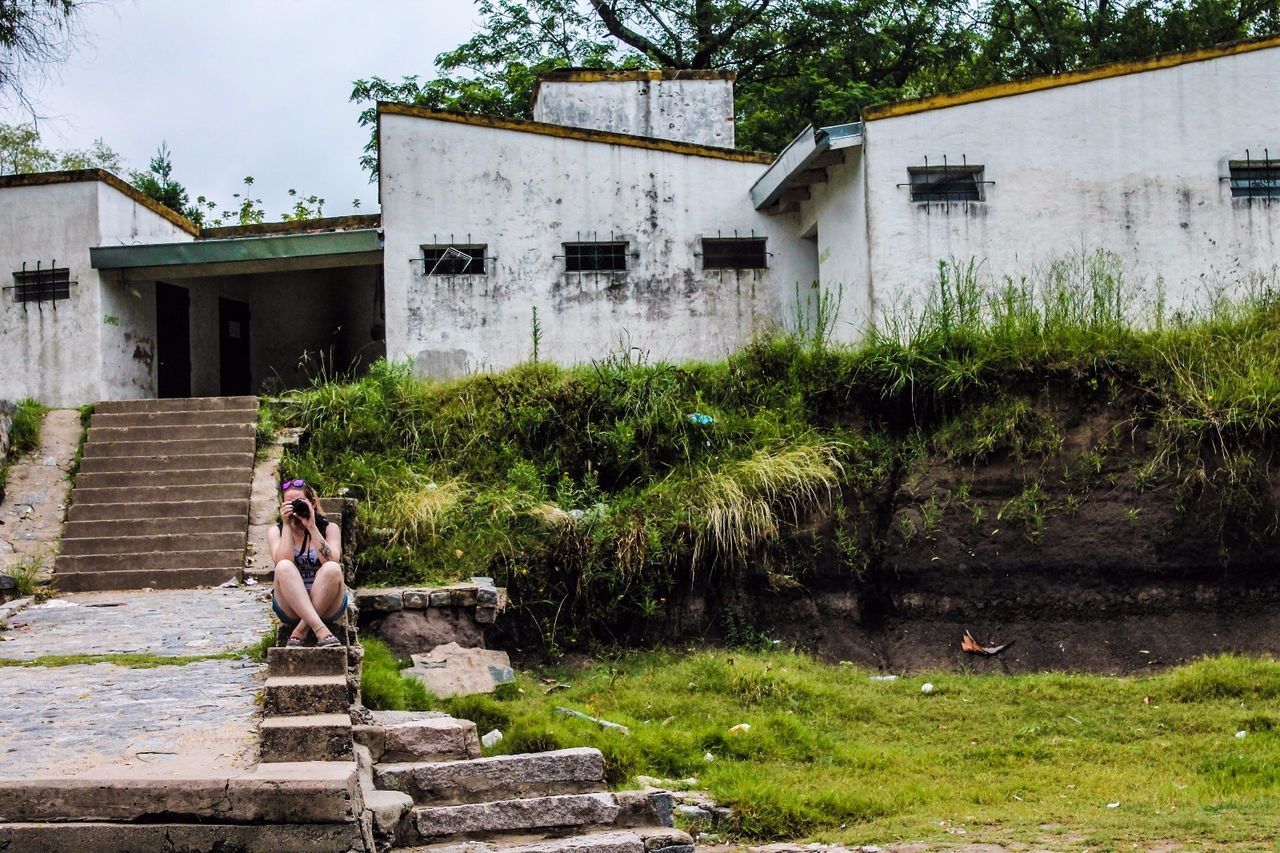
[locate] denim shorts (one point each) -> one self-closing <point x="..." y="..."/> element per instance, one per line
<point x="342" y="608"/>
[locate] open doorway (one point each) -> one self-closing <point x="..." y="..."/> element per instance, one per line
<point x="233" y="347"/>
<point x="173" y="341"/>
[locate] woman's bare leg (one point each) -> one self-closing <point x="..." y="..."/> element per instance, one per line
<point x="328" y="589"/>
<point x="291" y="592"/>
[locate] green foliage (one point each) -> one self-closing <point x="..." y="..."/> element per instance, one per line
<point x="1011" y="426"/>
<point x="158" y="183"/>
<point x="24" y="435"/>
<point x="382" y="686"/>
<point x="22" y="151"/>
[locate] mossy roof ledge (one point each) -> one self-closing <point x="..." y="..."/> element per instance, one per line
<point x="577" y="133"/>
<point x="1069" y="78"/>
<point x="77" y="176"/>
<point x="238" y="249"/>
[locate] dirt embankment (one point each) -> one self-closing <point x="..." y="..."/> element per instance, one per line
<point x="1107" y="554"/>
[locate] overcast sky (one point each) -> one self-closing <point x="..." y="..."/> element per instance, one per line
<point x="242" y="87"/>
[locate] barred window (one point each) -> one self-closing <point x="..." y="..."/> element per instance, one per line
<point x="946" y="183"/>
<point x="42" y="285"/>
<point x="454" y="259"/>
<point x="597" y="256"/>
<point x="1255" y="178"/>
<point x="734" y="253"/>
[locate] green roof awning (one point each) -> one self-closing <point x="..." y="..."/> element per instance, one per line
<point x="245" y="254"/>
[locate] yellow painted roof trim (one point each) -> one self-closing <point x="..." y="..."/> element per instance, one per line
<point x="578" y="133"/>
<point x="627" y="75"/>
<point x="1071" y="78"/>
<point x="75" y="176"/>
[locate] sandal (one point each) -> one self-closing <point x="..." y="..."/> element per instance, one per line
<point x="327" y="641"/>
<point x="293" y="642"/>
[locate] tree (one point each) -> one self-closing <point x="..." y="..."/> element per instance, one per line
<point x="158" y="183"/>
<point x="801" y="61"/>
<point x="33" y="33"/>
<point x="21" y="151"/>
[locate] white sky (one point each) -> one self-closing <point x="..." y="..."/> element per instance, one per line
<point x="242" y="87"/>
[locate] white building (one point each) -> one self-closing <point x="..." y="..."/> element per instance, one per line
<point x="624" y="218"/>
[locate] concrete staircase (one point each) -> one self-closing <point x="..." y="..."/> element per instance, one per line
<point x="162" y="496"/>
<point x="457" y="802"/>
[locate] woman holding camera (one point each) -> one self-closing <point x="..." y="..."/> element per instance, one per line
<point x="306" y="548"/>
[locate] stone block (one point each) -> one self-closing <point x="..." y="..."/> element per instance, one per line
<point x="486" y="596"/>
<point x="462" y="596"/>
<point x="380" y="600"/>
<point x="451" y="670"/>
<point x="500" y="777"/>
<point x="371" y="738"/>
<point x="441" y="598"/>
<point x="486" y="615"/>
<point x="563" y="812"/>
<point x="645" y="808"/>
<point x="440" y="739"/>
<point x="417" y="599"/>
<point x="180" y="837"/>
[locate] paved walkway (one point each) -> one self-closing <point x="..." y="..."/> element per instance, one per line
<point x="90" y="718"/>
<point x="36" y="492"/>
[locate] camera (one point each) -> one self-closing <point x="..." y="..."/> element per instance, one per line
<point x="301" y="508"/>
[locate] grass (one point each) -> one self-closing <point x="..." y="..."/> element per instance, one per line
<point x="131" y="660"/>
<point x="833" y="756"/>
<point x="597" y="493"/>
<point x="383" y="687"/>
<point x="24" y="435"/>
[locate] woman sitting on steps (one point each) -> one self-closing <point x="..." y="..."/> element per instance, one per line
<point x="306" y="548"/>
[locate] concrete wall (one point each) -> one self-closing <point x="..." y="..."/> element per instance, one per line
<point x="526" y="194"/>
<point x="1133" y="165"/>
<point x="699" y="111"/>
<point x="834" y="218"/>
<point x="49" y="350"/>
<point x="128" y="332"/>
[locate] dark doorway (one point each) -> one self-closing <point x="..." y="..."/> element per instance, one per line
<point x="173" y="341"/>
<point x="233" y="347"/>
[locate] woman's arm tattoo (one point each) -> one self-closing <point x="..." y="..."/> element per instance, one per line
<point x="325" y="551"/>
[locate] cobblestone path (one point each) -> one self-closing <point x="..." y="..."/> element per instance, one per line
<point x="36" y="492"/>
<point x="80" y="718"/>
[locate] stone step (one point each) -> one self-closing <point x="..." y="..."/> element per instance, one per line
<point x="166" y="542"/>
<point x="504" y="816"/>
<point x="161" y="494"/>
<point x="176" y="404"/>
<point x="177" y="477"/>
<point x="607" y="841"/>
<point x="175" y="462"/>
<point x="114" y="420"/>
<point x="100" y="435"/>
<point x="169" y="448"/>
<point x="169" y="510"/>
<point x="292" y="661"/>
<point x="101" y="837"/>
<point x="292" y="696"/>
<point x="341" y="629"/>
<point x="209" y="559"/>
<point x="293" y="792"/>
<point x="309" y="737"/>
<point x="153" y="526"/>
<point x="436" y="739"/>
<point x="499" y="777"/>
<point x="144" y="579"/>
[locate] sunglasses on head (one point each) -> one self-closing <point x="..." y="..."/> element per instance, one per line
<point x="292" y="484"/>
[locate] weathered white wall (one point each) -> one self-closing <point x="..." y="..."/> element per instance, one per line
<point x="128" y="310"/>
<point x="47" y="352"/>
<point x="524" y="195"/>
<point x="1131" y="165"/>
<point x="834" y="217"/>
<point x="699" y="111"/>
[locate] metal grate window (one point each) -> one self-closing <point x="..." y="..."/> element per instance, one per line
<point x="595" y="257"/>
<point x="454" y="259"/>
<point x="1255" y="178"/>
<point x="734" y="253"/>
<point x="42" y="285"/>
<point x="945" y="183"/>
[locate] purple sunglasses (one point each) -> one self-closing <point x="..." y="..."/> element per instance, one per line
<point x="292" y="484"/>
